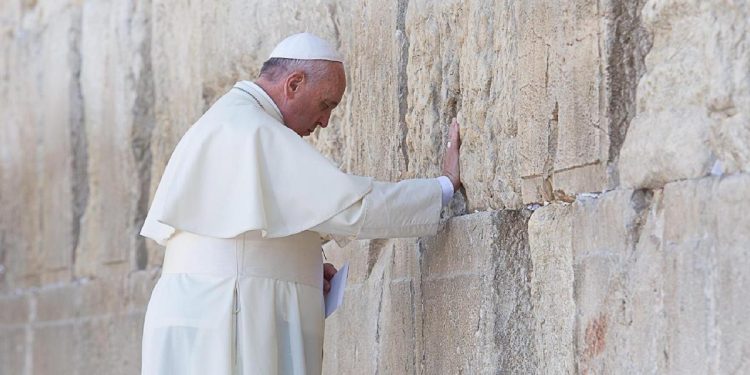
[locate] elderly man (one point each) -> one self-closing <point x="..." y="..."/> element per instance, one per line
<point x="241" y="208"/>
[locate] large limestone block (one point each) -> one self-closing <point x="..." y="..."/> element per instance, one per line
<point x="19" y="192"/>
<point x="618" y="270"/>
<point x="430" y="80"/>
<point x="13" y="350"/>
<point x="596" y="284"/>
<point x="562" y="122"/>
<point x="15" y="311"/>
<point x="379" y="326"/>
<point x="54" y="349"/>
<point x="370" y="128"/>
<point x="116" y="84"/>
<point x="476" y="296"/>
<point x="552" y="294"/>
<point x="61" y="171"/>
<point x="111" y="345"/>
<point x="455" y="302"/>
<point x="100" y="297"/>
<point x="665" y="146"/>
<point x="686" y="124"/>
<point x="101" y="345"/>
<point x="705" y="245"/>
<point x="43" y="171"/>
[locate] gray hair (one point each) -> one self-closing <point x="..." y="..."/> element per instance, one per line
<point x="277" y="68"/>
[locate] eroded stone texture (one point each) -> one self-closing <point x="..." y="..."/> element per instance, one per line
<point x="113" y="69"/>
<point x="382" y="307"/>
<point x="653" y="290"/>
<point x="552" y="298"/>
<point x="439" y="305"/>
<point x="615" y="319"/>
<point x="693" y="102"/>
<point x="647" y="277"/>
<point x="42" y="168"/>
<point x="705" y="245"/>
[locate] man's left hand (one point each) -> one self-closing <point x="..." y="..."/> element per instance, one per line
<point x="328" y="272"/>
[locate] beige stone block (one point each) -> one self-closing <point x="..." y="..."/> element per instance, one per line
<point x="689" y="287"/>
<point x="13" y="350"/>
<point x="374" y="138"/>
<point x="639" y="338"/>
<point x="562" y="115"/>
<point x="452" y="319"/>
<point x="587" y="178"/>
<point x="57" y="303"/>
<point x="733" y="252"/>
<point x="117" y="85"/>
<point x="552" y="289"/>
<point x="684" y="125"/>
<point x="618" y="273"/>
<point x="80" y="300"/>
<point x="399" y="330"/>
<point x="464" y="288"/>
<point x="381" y="305"/>
<point x="448" y="254"/>
<point x="707" y="259"/>
<point x="100" y="298"/>
<point x="350" y="337"/>
<point x="110" y="346"/>
<point x="55" y="349"/>
<point x="665" y="146"/>
<point x="14" y="310"/>
<point x="19" y="195"/>
<point x="59" y="132"/>
<point x="476" y="296"/>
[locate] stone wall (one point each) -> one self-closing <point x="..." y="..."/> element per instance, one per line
<point x="603" y="226"/>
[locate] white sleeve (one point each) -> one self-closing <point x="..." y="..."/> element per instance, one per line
<point x="447" y="186"/>
<point x="409" y="208"/>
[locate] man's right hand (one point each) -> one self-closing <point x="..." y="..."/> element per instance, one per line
<point x="451" y="167"/>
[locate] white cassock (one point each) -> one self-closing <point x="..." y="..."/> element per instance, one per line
<point x="241" y="208"/>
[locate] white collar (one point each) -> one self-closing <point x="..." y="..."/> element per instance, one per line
<point x="263" y="99"/>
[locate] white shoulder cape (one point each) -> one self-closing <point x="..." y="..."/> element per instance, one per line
<point x="239" y="168"/>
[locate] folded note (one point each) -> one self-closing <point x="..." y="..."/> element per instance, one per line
<point x="335" y="295"/>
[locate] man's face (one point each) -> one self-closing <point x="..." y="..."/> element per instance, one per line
<point x="309" y="103"/>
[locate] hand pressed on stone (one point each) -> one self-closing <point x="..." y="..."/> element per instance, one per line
<point x="328" y="272"/>
<point x="451" y="163"/>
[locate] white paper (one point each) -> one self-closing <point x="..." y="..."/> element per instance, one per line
<point x="335" y="296"/>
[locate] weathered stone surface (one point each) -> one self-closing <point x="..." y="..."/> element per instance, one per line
<point x="693" y="102"/>
<point x="705" y="244"/>
<point x="113" y="60"/>
<point x="615" y="319"/>
<point x="459" y="304"/>
<point x="382" y="305"/>
<point x="115" y="339"/>
<point x="13" y="350"/>
<point x="14" y="311"/>
<point x="54" y="349"/>
<point x="635" y="101"/>
<point x="552" y="295"/>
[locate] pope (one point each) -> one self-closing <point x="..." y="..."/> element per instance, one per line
<point x="241" y="209"/>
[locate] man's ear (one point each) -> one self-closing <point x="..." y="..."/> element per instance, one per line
<point x="293" y="84"/>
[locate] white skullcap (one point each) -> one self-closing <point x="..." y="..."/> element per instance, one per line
<point x="305" y="46"/>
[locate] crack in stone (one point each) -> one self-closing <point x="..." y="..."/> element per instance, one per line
<point x="79" y="143"/>
<point x="403" y="79"/>
<point x="377" y="323"/>
<point x="549" y="161"/>
<point x="141" y="131"/>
